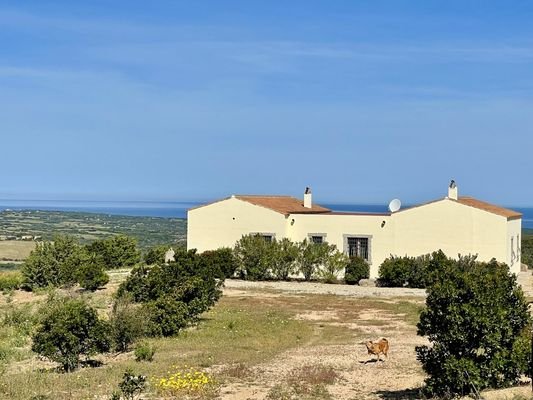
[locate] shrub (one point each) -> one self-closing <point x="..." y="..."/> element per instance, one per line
<point x="395" y="271"/>
<point x="333" y="263"/>
<point x="11" y="280"/>
<point x="311" y="256"/>
<point x="168" y="315"/>
<point x="144" y="351"/>
<point x="222" y="261"/>
<point x="254" y="256"/>
<point x="284" y="256"/>
<point x="41" y="268"/>
<point x="526" y="249"/>
<point x="131" y="385"/>
<point x="356" y="270"/>
<point x="174" y="294"/>
<point x="91" y="274"/>
<point x="475" y="318"/>
<point x="128" y="323"/>
<point x="117" y="251"/>
<point x="155" y="255"/>
<point x="53" y="263"/>
<point x="69" y="256"/>
<point x="407" y="271"/>
<point x="68" y="330"/>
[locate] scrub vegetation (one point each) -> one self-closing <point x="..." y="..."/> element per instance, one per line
<point x="273" y="344"/>
<point x="260" y="259"/>
<point x="85" y="227"/>
<point x="240" y="333"/>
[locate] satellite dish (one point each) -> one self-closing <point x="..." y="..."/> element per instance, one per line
<point x="395" y="205"/>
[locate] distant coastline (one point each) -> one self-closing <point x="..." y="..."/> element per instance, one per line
<point x="168" y="209"/>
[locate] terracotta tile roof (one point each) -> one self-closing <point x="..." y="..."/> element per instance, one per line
<point x="283" y="204"/>
<point x="504" y="212"/>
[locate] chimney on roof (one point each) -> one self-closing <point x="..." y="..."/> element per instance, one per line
<point x="308" y="198"/>
<point x="452" y="190"/>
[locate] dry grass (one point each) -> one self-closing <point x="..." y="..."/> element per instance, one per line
<point x="313" y="375"/>
<point x="234" y="342"/>
<point x="15" y="250"/>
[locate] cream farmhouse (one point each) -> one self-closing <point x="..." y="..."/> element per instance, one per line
<point x="454" y="224"/>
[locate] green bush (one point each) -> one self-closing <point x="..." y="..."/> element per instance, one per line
<point x="11" y="280"/>
<point x="144" y="351"/>
<point x="117" y="251"/>
<point x="70" y="329"/>
<point x="311" y="256"/>
<point x="91" y="274"/>
<point x="407" y="271"/>
<point x="395" y="271"/>
<point x="53" y="263"/>
<point x="128" y="322"/>
<point x="174" y="294"/>
<point x="156" y="254"/>
<point x="332" y="264"/>
<point x="476" y="318"/>
<point x="254" y="256"/>
<point x="41" y="268"/>
<point x="131" y="385"/>
<point x="222" y="261"/>
<point x="168" y="315"/>
<point x="284" y="256"/>
<point x="526" y="249"/>
<point x="69" y="256"/>
<point x="356" y="270"/>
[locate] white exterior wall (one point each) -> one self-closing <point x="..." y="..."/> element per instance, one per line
<point x="336" y="227"/>
<point x="452" y="227"/>
<point x="223" y="223"/>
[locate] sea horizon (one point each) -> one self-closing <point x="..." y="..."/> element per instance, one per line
<point x="178" y="209"/>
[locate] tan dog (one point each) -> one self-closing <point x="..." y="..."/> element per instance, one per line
<point x="380" y="347"/>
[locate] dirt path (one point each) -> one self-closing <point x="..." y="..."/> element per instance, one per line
<point x="321" y="288"/>
<point x="399" y="377"/>
<point x="357" y="378"/>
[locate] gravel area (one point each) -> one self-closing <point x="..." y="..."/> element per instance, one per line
<point x="323" y="288"/>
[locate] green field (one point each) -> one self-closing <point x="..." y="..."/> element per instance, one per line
<point x="87" y="227"/>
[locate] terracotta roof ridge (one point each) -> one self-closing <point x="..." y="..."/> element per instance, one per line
<point x="265" y="195"/>
<point x="488" y="207"/>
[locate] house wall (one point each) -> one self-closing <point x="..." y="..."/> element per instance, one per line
<point x="223" y="223"/>
<point x="338" y="226"/>
<point x="452" y="227"/>
<point x="514" y="237"/>
<point x="447" y="225"/>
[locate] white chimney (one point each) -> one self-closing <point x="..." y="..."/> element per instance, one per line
<point x="308" y="198"/>
<point x="452" y="190"/>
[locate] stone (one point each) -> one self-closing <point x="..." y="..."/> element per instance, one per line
<point x="367" y="282"/>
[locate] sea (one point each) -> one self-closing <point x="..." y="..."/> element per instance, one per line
<point x="178" y="209"/>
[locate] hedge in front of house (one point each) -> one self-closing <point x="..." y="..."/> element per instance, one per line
<point x="407" y="271"/>
<point x="356" y="270"/>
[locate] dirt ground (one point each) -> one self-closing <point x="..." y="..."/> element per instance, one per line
<point x="360" y="376"/>
<point x="337" y="320"/>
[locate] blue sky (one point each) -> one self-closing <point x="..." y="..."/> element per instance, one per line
<point x="185" y="100"/>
